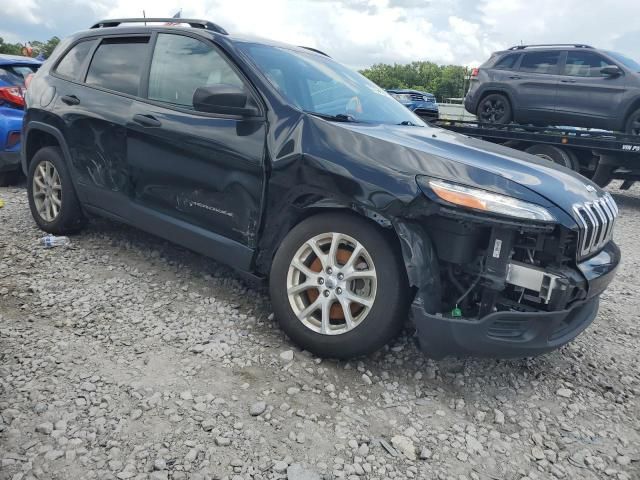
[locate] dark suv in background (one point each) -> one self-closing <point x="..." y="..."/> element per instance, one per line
<point x="287" y="165"/>
<point x="573" y="85"/>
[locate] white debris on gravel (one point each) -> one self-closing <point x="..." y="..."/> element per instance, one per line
<point x="126" y="357"/>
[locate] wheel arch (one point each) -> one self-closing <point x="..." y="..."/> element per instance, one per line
<point x="300" y="210"/>
<point x="39" y="135"/>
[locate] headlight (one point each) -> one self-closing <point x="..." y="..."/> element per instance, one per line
<point x="402" y="97"/>
<point x="485" y="201"/>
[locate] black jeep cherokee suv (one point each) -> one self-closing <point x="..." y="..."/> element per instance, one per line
<point x="283" y="163"/>
<point x="574" y="85"/>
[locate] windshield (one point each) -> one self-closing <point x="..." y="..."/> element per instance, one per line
<point x="628" y="62"/>
<point x="317" y="84"/>
<point x="14" y="75"/>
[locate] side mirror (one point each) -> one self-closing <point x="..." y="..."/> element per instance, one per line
<point x="611" y="71"/>
<point x="224" y="99"/>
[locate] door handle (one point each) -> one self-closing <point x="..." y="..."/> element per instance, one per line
<point x="70" y="100"/>
<point x="515" y="77"/>
<point x="146" y="120"/>
<point x="568" y="81"/>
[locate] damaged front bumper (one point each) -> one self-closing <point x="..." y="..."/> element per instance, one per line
<point x="519" y="333"/>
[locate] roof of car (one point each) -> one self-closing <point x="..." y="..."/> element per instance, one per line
<point x="543" y="48"/>
<point x="127" y="29"/>
<point x="18" y="60"/>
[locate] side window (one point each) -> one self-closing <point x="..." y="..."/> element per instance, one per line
<point x="507" y="62"/>
<point x="181" y="65"/>
<point x="118" y="64"/>
<point x="540" y="62"/>
<point x="71" y="64"/>
<point x="584" y="64"/>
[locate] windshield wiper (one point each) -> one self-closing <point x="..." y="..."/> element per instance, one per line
<point x="409" y="123"/>
<point x="340" y="117"/>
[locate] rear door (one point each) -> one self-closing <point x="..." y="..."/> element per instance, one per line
<point x="585" y="96"/>
<point x="201" y="173"/>
<point x="535" y="84"/>
<point x="95" y="108"/>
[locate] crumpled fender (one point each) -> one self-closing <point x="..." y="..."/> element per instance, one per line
<point x="421" y="263"/>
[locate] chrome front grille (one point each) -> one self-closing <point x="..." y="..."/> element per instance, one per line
<point x="416" y="97"/>
<point x="596" y="220"/>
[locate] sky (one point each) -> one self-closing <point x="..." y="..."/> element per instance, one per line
<point x="360" y="33"/>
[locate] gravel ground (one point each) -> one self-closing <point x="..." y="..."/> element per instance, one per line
<point x="127" y="357"/>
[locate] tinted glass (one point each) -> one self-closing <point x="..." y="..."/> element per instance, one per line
<point x="540" y="62"/>
<point x="626" y="61"/>
<point x="584" y="64"/>
<point x="317" y="84"/>
<point x="15" y="74"/>
<point x="508" y="62"/>
<point x="71" y="64"/>
<point x="118" y="64"/>
<point x="181" y="65"/>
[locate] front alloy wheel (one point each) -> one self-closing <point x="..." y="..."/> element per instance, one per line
<point x="331" y="283"/>
<point x="633" y="123"/>
<point x="338" y="286"/>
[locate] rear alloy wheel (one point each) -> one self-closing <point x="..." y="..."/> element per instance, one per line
<point x="495" y="108"/>
<point x="47" y="191"/>
<point x="52" y="198"/>
<point x="554" y="154"/>
<point x="633" y="123"/>
<point x="337" y="286"/>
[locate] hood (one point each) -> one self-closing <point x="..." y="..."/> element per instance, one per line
<point x="443" y="154"/>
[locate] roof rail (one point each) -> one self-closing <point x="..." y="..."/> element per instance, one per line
<point x="577" y="45"/>
<point x="311" y="49"/>
<point x="194" y="23"/>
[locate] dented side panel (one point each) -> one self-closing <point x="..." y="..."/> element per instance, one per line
<point x="202" y="170"/>
<point x="306" y="174"/>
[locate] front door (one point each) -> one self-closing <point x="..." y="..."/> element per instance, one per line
<point x="585" y="96"/>
<point x="199" y="173"/>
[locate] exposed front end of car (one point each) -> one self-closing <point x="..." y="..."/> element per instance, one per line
<point x="512" y="287"/>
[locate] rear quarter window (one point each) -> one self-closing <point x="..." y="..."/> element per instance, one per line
<point x="507" y="62"/>
<point x="72" y="63"/>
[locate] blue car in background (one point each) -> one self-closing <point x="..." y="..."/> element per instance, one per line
<point x="422" y="104"/>
<point x="13" y="72"/>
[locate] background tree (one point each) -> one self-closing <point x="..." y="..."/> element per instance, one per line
<point x="444" y="81"/>
<point x="38" y="47"/>
<point x="9" y="48"/>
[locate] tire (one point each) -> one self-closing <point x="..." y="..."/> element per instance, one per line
<point x="495" y="108"/>
<point x="374" y="325"/>
<point x="633" y="123"/>
<point x="9" y="178"/>
<point x="48" y="163"/>
<point x="554" y="154"/>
